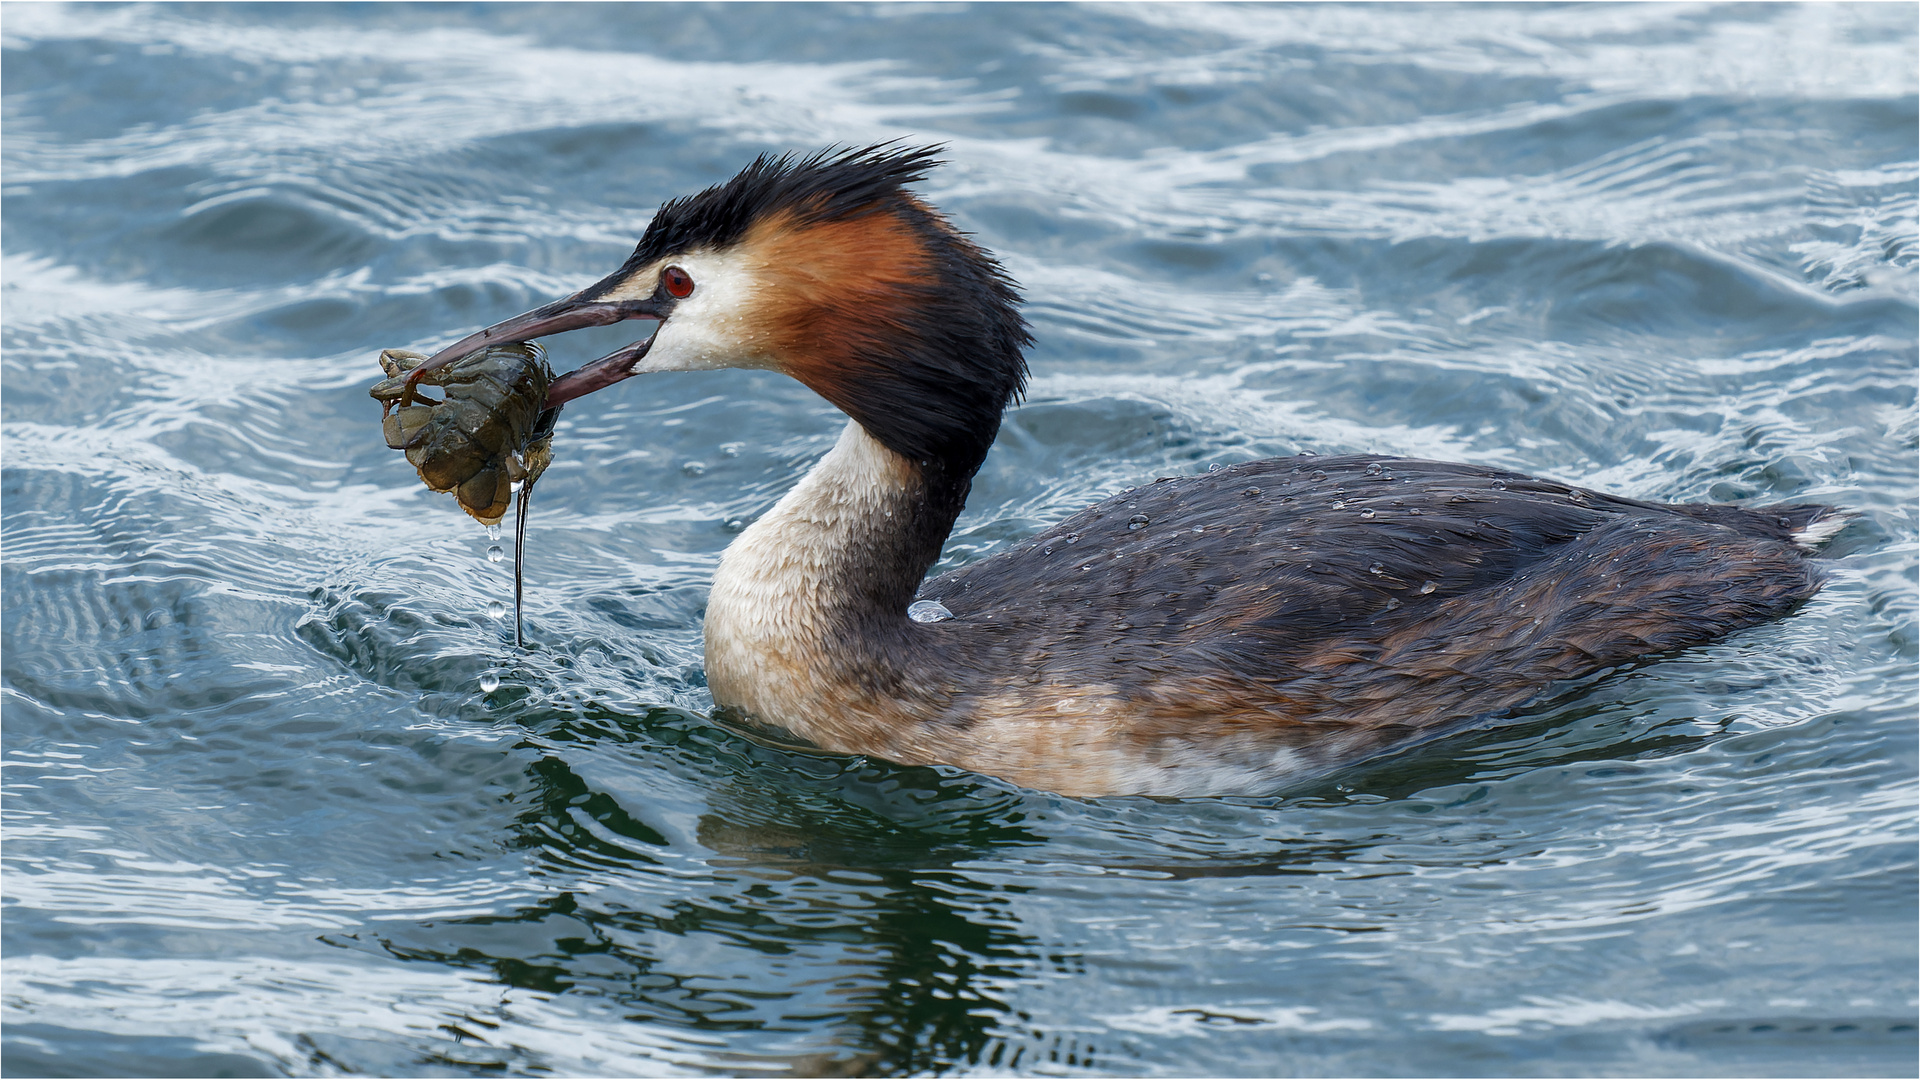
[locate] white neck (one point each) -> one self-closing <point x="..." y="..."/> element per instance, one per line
<point x="783" y="611"/>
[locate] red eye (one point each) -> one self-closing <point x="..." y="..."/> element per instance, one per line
<point x="678" y="283"/>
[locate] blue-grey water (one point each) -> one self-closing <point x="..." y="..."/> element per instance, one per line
<point x="262" y="819"/>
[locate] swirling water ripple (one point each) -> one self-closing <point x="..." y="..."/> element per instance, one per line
<point x="261" y="819"/>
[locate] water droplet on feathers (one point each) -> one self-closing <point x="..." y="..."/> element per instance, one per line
<point x="928" y="611"/>
<point x="1427" y="588"/>
<point x="1138" y="521"/>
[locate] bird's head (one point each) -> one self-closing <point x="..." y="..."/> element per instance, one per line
<point x="827" y="269"/>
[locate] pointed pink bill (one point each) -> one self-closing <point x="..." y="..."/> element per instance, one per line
<point x="573" y="313"/>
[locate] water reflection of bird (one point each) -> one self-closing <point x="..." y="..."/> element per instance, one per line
<point x="1216" y="633"/>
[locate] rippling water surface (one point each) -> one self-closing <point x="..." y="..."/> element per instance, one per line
<point x="261" y="818"/>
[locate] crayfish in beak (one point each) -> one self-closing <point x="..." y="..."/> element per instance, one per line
<point x="489" y="431"/>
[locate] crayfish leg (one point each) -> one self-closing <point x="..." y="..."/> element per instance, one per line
<point x="397" y="362"/>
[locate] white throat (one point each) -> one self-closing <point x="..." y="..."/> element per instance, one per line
<point x="778" y="605"/>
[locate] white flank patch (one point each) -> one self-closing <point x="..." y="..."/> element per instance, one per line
<point x="1822" y="531"/>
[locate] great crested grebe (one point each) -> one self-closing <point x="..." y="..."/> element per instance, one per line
<point x="1212" y="634"/>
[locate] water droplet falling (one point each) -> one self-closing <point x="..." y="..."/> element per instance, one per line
<point x="732" y="449"/>
<point x="489" y="682"/>
<point x="495" y="554"/>
<point x="493" y="532"/>
<point x="1138" y="521"/>
<point x="694" y="468"/>
<point x="495" y="609"/>
<point x="928" y="611"/>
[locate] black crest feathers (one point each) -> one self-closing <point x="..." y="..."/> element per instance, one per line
<point x="824" y="186"/>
